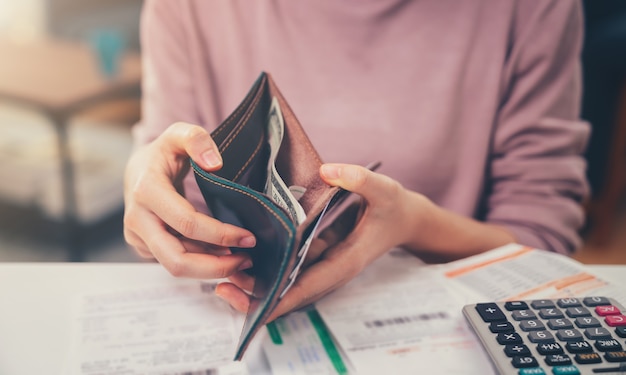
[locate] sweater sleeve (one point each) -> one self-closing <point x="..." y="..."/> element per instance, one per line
<point x="167" y="87"/>
<point x="538" y="173"/>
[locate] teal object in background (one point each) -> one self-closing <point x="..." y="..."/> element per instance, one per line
<point x="108" y="46"/>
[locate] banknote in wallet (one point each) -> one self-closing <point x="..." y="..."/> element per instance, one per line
<point x="270" y="185"/>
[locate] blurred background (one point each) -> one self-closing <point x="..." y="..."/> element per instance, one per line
<point x="70" y="91"/>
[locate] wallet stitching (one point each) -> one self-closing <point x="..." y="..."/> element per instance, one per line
<point x="232" y="117"/>
<point x="283" y="223"/>
<point x="257" y="98"/>
<point x="243" y="122"/>
<point x="256" y="151"/>
<point x="229" y="120"/>
<point x="264" y="314"/>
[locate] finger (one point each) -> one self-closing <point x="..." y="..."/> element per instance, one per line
<point x="317" y="247"/>
<point x="171" y="253"/>
<point x="360" y="180"/>
<point x="194" y="141"/>
<point x="131" y="237"/>
<point x="179" y="214"/>
<point x="236" y="297"/>
<point x="315" y="282"/>
<point x="194" y="246"/>
<point x="339" y="264"/>
<point x="342" y="224"/>
<point x="243" y="281"/>
<point x="137" y="244"/>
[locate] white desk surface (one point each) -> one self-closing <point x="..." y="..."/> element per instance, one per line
<point x="36" y="307"/>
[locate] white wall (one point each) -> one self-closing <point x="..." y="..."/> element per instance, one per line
<point x="22" y="19"/>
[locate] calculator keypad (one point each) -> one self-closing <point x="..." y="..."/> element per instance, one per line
<point x="575" y="336"/>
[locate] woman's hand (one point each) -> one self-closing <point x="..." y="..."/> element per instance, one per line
<point x="160" y="223"/>
<point x="393" y="217"/>
<point x="383" y="225"/>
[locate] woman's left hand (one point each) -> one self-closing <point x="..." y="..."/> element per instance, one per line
<point x="385" y="223"/>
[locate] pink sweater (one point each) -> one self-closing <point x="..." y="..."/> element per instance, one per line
<point x="472" y="103"/>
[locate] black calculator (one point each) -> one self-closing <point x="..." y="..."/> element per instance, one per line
<point x="565" y="336"/>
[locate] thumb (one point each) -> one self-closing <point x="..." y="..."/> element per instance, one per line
<point x="357" y="179"/>
<point x="186" y="139"/>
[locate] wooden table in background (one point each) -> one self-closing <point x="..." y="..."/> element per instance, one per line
<point x="61" y="79"/>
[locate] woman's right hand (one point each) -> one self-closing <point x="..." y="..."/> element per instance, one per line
<point x="160" y="223"/>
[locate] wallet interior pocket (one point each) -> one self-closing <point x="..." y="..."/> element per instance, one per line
<point x="236" y="194"/>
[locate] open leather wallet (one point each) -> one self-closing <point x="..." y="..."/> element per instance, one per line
<point x="270" y="185"/>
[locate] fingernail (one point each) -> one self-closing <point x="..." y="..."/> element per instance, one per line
<point x="212" y="158"/>
<point x="245" y="265"/>
<point x="330" y="171"/>
<point x="249" y="241"/>
<point x="218" y="292"/>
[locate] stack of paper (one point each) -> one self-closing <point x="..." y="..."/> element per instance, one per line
<point x="400" y="316"/>
<point x="183" y="328"/>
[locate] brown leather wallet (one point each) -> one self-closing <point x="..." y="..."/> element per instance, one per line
<point x="238" y="194"/>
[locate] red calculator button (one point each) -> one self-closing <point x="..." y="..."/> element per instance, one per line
<point x="607" y="310"/>
<point x="615" y="320"/>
